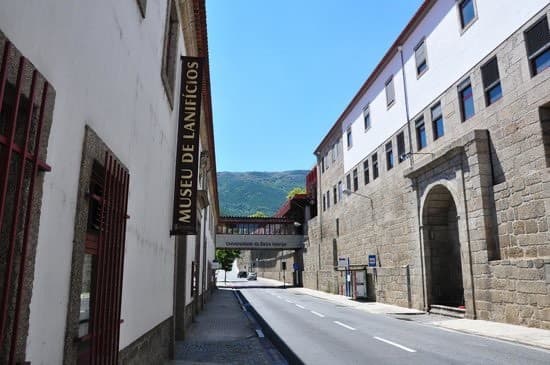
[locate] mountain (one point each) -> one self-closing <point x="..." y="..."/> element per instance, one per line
<point x="244" y="193"/>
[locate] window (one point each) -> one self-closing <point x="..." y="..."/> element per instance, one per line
<point x="337" y="227"/>
<point x="537" y="39"/>
<point x="327" y="161"/>
<point x="340" y="190"/>
<point x="366" y="118"/>
<point x="401" y="147"/>
<point x="491" y="81"/>
<point x="324" y="202"/>
<point x="355" y="180"/>
<point x="322" y="164"/>
<point x="169" y="55"/>
<point x="19" y="112"/>
<point x="389" y="156"/>
<point x="437" y="121"/>
<point x="103" y="199"/>
<point x="349" y="138"/>
<point x="466" y="100"/>
<point x="421" y="141"/>
<point x="328" y="199"/>
<point x="348" y="182"/>
<point x="390" y="92"/>
<point x="366" y="174"/>
<point x="334" y="195"/>
<point x="333" y="151"/>
<point x="142" y="4"/>
<point x="375" y="166"/>
<point x="420" y="57"/>
<point x="467" y="12"/>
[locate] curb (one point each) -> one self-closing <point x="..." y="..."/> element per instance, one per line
<point x="283" y="348"/>
<point x="536" y="346"/>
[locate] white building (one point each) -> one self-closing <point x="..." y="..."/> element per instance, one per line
<point x="99" y="290"/>
<point x="444" y="155"/>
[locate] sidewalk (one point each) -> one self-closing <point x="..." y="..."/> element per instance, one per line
<point x="223" y="334"/>
<point x="502" y="331"/>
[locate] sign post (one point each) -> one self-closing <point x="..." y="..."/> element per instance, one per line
<point x="283" y="265"/>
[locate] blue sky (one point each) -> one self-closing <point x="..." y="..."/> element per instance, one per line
<point x="282" y="72"/>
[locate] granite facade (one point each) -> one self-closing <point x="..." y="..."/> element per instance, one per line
<point x="463" y="223"/>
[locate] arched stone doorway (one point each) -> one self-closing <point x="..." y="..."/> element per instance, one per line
<point x="442" y="249"/>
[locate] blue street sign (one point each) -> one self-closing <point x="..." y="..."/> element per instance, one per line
<point x="372" y="260"/>
<point x="296" y="266"/>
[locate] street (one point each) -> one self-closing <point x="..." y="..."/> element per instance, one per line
<point x="322" y="332"/>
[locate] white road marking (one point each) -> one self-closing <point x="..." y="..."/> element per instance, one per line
<point x="318" y="314"/>
<point x="300" y="306"/>
<point x="344" y="325"/>
<point x="260" y="333"/>
<point x="395" y="344"/>
<point x="289" y="301"/>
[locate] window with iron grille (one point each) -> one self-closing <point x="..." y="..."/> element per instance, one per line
<point x="389" y="156"/>
<point x="491" y="81"/>
<point x="374" y="166"/>
<point x="401" y="147"/>
<point x="437" y="121"/>
<point x="366" y="172"/>
<point x="537" y="39"/>
<point x="348" y="182"/>
<point x="26" y="109"/>
<point x="466" y="100"/>
<point x="390" y="92"/>
<point x="169" y="55"/>
<point x="421" y="140"/>
<point x="421" y="58"/>
<point x="355" y="180"/>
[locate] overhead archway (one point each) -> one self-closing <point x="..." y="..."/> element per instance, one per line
<point x="442" y="249"/>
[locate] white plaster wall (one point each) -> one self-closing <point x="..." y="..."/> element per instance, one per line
<point x="104" y="61"/>
<point x="384" y="121"/>
<point x="451" y="53"/>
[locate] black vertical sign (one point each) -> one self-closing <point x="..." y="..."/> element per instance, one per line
<point x="187" y="154"/>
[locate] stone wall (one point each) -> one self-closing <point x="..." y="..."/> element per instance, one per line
<point x="154" y="347"/>
<point x="494" y="167"/>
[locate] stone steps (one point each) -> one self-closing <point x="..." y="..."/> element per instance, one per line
<point x="447" y="311"/>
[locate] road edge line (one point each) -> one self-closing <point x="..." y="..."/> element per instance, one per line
<point x="277" y="341"/>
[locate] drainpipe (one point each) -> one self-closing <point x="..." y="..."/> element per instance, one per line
<point x="320" y="213"/>
<point x="407" y="114"/>
<point x="415" y="183"/>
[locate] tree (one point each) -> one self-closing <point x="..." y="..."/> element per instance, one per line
<point x="294" y="191"/>
<point x="225" y="258"/>
<point x="258" y="214"/>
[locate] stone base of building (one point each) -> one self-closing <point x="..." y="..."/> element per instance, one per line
<point x="154" y="347"/>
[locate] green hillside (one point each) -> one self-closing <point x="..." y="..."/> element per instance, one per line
<point x="244" y="193"/>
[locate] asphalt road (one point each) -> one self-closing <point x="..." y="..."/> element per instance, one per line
<point x="322" y="332"/>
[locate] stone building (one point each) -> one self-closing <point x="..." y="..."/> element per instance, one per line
<point x="89" y="116"/>
<point x="440" y="168"/>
